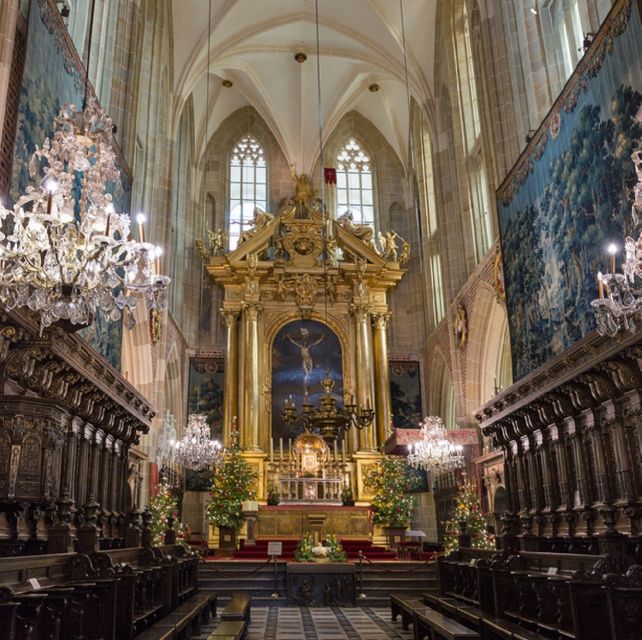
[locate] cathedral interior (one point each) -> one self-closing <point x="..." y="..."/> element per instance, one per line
<point x="321" y="319"/>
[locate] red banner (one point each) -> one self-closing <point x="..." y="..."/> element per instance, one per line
<point x="330" y="175"/>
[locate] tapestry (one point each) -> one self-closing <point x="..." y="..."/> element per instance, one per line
<point x="53" y="76"/>
<point x="302" y="352"/>
<point x="405" y="394"/>
<point x="569" y="196"/>
<point x="205" y="393"/>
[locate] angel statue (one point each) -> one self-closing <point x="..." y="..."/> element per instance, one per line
<point x="388" y="245"/>
<point x="304" y="190"/>
<point x="218" y="240"/>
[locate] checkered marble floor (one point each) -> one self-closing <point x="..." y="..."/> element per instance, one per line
<point x="301" y="623"/>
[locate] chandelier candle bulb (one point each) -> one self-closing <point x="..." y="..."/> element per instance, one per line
<point x="612" y="249"/>
<point x="140" y="219"/>
<point x="600" y="284"/>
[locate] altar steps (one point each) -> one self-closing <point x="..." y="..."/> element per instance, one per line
<point x="379" y="581"/>
<point x="351" y="547"/>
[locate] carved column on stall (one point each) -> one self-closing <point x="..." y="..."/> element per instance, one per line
<point x="230" y="382"/>
<point x="104" y="483"/>
<point x="383" y="401"/>
<point x="562" y="463"/>
<point x="549" y="485"/>
<point x="82" y="467"/>
<point x="535" y="485"/>
<point x="361" y="314"/>
<point x="624" y="477"/>
<point x="582" y="503"/>
<point x="251" y="376"/>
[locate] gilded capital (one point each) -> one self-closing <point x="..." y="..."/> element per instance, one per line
<point x="229" y="317"/>
<point x="251" y="310"/>
<point x="380" y="320"/>
<point x="360" y="311"/>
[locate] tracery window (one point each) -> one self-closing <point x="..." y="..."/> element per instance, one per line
<point x="248" y="185"/>
<point x="355" y="192"/>
<point x="466" y="34"/>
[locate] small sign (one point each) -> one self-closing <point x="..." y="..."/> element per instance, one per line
<point x="552" y="571"/>
<point x="35" y="585"/>
<point x="275" y="548"/>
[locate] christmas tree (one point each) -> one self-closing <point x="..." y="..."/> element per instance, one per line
<point x="387" y="481"/>
<point x="233" y="484"/>
<point x="468" y="518"/>
<point x="162" y="506"/>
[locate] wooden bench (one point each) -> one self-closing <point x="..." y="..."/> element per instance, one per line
<point x="188" y="617"/>
<point x="506" y="630"/>
<point x="405" y="606"/>
<point x="229" y="630"/>
<point x="160" y="631"/>
<point x="433" y="625"/>
<point x="238" y="608"/>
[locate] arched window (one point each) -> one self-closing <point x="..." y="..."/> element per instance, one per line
<point x="248" y="185"/>
<point x="355" y="192"/>
<point x="467" y="50"/>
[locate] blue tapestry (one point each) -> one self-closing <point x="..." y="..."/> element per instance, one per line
<point x="570" y="196"/>
<point x="405" y="394"/>
<point x="302" y="351"/>
<point x="205" y="393"/>
<point x="53" y="76"/>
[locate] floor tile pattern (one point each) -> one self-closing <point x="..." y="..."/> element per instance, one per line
<point x="301" y="623"/>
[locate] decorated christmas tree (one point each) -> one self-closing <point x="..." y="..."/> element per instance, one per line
<point x="469" y="519"/>
<point x="387" y="482"/>
<point x="233" y="484"/>
<point x="162" y="506"/>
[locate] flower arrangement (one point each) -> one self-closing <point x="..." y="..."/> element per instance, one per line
<point x="390" y="505"/>
<point x="304" y="551"/>
<point x="233" y="484"/>
<point x="336" y="552"/>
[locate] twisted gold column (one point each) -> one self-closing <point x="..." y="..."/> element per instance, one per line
<point x="230" y="381"/>
<point x="382" y="382"/>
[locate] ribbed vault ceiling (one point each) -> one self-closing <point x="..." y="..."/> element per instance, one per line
<point x="253" y="43"/>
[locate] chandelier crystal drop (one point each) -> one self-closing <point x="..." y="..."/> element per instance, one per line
<point x="196" y="450"/>
<point x="434" y="451"/>
<point x="65" y="252"/>
<point x="620" y="294"/>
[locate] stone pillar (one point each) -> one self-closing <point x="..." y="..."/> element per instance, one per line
<point x="361" y="315"/>
<point x="382" y="382"/>
<point x="230" y="383"/>
<point x="251" y="376"/>
<point x="8" y="21"/>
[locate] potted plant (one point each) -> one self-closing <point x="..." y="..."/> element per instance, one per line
<point x="335" y="549"/>
<point x="391" y="507"/>
<point x="304" y="551"/>
<point x="233" y="483"/>
<point x="347" y="497"/>
<point x="272" y="495"/>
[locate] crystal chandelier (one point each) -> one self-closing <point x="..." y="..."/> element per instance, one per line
<point x="196" y="450"/>
<point x="434" y="451"/>
<point x="620" y="295"/>
<point x="65" y="252"/>
<point x="327" y="419"/>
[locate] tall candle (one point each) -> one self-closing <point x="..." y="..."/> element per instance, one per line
<point x="336" y="457"/>
<point x="281" y="450"/>
<point x="343" y="451"/>
<point x="600" y="284"/>
<point x="271" y="450"/>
